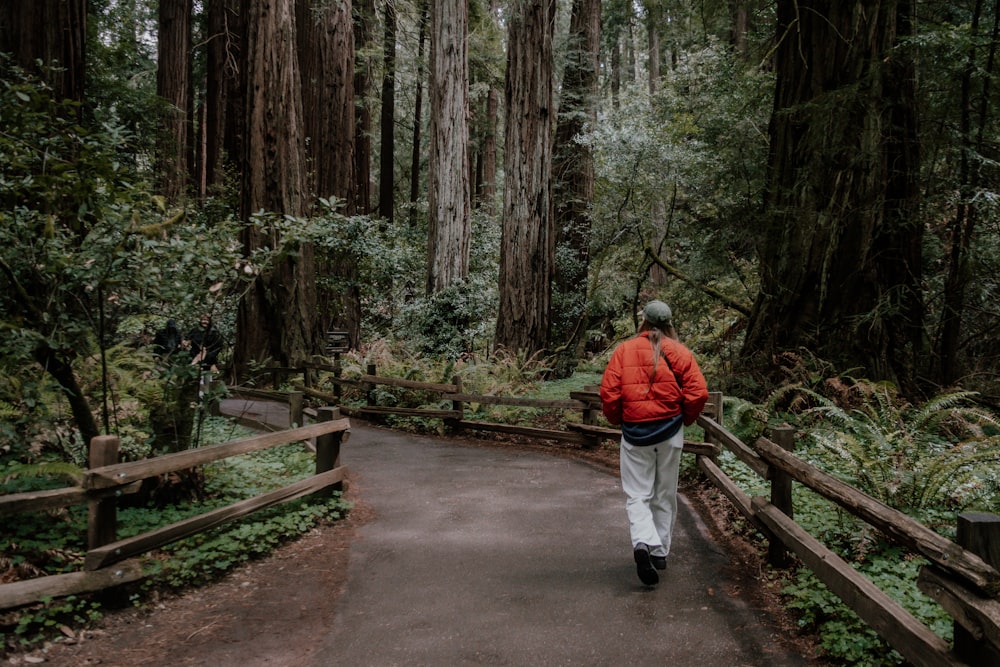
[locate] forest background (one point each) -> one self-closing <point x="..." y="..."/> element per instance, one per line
<point x="812" y="186"/>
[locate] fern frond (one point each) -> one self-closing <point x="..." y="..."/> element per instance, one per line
<point x="8" y="411"/>
<point x="60" y="469"/>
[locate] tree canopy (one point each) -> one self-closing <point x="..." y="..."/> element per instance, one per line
<point x="805" y="183"/>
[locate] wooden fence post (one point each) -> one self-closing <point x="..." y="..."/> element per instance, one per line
<point x="781" y="493"/>
<point x="369" y="390"/>
<point x="715" y="400"/>
<point x="588" y="412"/>
<point x="295" y="406"/>
<point x="978" y="532"/>
<point x="337" y="371"/>
<point x="455" y="424"/>
<point x="102" y="514"/>
<point x="328" y="445"/>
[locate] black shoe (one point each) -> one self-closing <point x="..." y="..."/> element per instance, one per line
<point x="644" y="565"/>
<point x="659" y="562"/>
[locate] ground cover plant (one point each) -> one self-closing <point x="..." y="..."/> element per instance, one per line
<point x="55" y="542"/>
<point x="931" y="460"/>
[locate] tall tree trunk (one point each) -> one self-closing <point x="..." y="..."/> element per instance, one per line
<point x="573" y="173"/>
<point x="528" y="238"/>
<point x="654" y="18"/>
<point x="418" y="108"/>
<point x="486" y="187"/>
<point x="364" y="46"/>
<point x="53" y="32"/>
<point x="173" y="86"/>
<point x="326" y="55"/>
<point x="962" y="227"/>
<point x="277" y="317"/>
<point x="388" y="119"/>
<point x="740" y="18"/>
<point x="840" y="258"/>
<point x="448" y="191"/>
<point x="222" y="80"/>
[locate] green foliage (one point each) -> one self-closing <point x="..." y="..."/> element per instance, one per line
<point x="53" y="542"/>
<point x="42" y="621"/>
<point x="843" y="635"/>
<point x="912" y="458"/>
<point x="931" y="460"/>
<point x="683" y="173"/>
<point x="449" y="322"/>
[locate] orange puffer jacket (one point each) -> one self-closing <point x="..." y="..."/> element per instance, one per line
<point x="626" y="391"/>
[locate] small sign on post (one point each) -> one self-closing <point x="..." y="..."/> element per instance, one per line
<point x="337" y="340"/>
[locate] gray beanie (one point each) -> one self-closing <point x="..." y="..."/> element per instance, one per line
<point x="657" y="314"/>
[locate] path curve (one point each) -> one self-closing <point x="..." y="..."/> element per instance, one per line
<point x="484" y="555"/>
<point x="460" y="553"/>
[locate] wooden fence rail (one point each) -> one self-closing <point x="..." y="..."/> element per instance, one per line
<point x="965" y="583"/>
<point x="963" y="578"/>
<point x="107" y="562"/>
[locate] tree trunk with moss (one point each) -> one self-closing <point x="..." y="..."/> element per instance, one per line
<point x="840" y="258"/>
<point x="277" y="316"/>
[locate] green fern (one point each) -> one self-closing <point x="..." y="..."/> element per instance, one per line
<point x="59" y="469"/>
<point x="907" y="456"/>
<point x="8" y="412"/>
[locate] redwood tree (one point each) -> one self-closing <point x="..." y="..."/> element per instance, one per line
<point x="840" y="254"/>
<point x="173" y="86"/>
<point x="326" y="58"/>
<point x="387" y="122"/>
<point x="276" y="319"/>
<point x="53" y="32"/>
<point x="573" y="170"/>
<point x="448" y="176"/>
<point x="527" y="245"/>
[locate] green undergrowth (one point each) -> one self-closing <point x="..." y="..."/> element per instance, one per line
<point x="44" y="543"/>
<point x="930" y="461"/>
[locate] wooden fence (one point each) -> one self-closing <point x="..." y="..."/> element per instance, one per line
<point x="962" y="577"/>
<point x="110" y="561"/>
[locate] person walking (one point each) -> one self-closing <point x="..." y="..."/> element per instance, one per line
<point x="652" y="387"/>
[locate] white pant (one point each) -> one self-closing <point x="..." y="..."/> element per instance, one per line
<point x="649" y="479"/>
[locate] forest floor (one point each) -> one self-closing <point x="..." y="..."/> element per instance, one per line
<point x="296" y="590"/>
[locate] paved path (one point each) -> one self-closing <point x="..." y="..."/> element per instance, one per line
<point x="481" y="555"/>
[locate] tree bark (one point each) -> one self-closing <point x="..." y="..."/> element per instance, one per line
<point x="528" y="237"/>
<point x="573" y="171"/>
<point x="223" y="92"/>
<point x="840" y="258"/>
<point x="387" y="171"/>
<point x="364" y="45"/>
<point x="448" y="191"/>
<point x="326" y="57"/>
<point x="277" y="318"/>
<point x="53" y="32"/>
<point x="418" y="108"/>
<point x="173" y="86"/>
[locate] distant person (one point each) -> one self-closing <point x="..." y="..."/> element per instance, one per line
<point x="167" y="340"/>
<point x="205" y="343"/>
<point x="653" y="387"/>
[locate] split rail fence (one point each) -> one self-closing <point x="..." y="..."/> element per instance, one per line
<point x="110" y="561"/>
